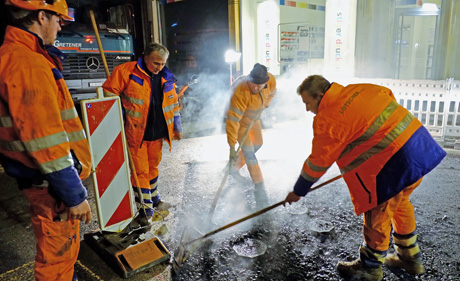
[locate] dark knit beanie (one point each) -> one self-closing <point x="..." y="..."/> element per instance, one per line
<point x="259" y="74"/>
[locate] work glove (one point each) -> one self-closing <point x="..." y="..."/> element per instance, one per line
<point x="233" y="154"/>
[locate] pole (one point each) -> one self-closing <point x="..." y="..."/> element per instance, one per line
<point x="231" y="78"/>
<point x="99" y="43"/>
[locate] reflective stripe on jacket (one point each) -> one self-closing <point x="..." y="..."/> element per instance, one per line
<point x="39" y="125"/>
<point x="133" y="85"/>
<point x="245" y="106"/>
<point x="368" y="133"/>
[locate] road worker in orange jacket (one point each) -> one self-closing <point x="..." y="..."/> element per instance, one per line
<point x="251" y="95"/>
<point x="42" y="142"/>
<point x="383" y="152"/>
<point x="151" y="114"/>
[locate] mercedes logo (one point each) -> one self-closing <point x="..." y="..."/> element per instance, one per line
<point x="92" y="63"/>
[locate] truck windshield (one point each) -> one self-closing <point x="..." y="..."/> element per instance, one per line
<point x="110" y="17"/>
<point x="82" y="64"/>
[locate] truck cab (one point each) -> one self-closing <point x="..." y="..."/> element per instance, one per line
<point x="83" y="67"/>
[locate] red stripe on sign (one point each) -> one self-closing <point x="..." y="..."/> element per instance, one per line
<point x="291" y="3"/>
<point x="109" y="165"/>
<point x="123" y="212"/>
<point x="97" y="111"/>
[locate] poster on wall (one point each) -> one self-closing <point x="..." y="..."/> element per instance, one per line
<point x="299" y="43"/>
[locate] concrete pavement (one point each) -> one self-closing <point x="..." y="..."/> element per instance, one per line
<point x="193" y="167"/>
<point x="17" y="242"/>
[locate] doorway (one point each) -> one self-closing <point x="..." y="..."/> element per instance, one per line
<point x="415" y="33"/>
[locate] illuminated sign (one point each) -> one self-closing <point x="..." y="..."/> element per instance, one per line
<point x="268" y="19"/>
<point x="340" y="37"/>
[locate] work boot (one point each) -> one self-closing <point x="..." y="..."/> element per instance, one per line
<point x="412" y="266"/>
<point x="159" y="215"/>
<point x="356" y="270"/>
<point x="236" y="175"/>
<point x="407" y="255"/>
<point x="260" y="195"/>
<point x="162" y="206"/>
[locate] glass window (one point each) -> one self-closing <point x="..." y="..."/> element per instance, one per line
<point x="452" y="106"/>
<point x="439" y="121"/>
<point x="450" y="120"/>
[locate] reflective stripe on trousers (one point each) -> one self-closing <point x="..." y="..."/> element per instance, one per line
<point x="146" y="160"/>
<point x="397" y="212"/>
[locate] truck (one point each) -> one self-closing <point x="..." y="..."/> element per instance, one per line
<point x="83" y="67"/>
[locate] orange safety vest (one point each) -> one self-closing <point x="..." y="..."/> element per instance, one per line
<point x="362" y="127"/>
<point x="39" y="125"/>
<point x="133" y="85"/>
<point x="245" y="106"/>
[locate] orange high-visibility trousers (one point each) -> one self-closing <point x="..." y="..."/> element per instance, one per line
<point x="146" y="160"/>
<point x="397" y="212"/>
<point x="58" y="242"/>
<point x="247" y="154"/>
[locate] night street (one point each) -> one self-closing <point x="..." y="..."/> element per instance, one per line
<point x="190" y="176"/>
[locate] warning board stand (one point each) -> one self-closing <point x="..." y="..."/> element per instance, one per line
<point x="135" y="253"/>
<point x="127" y="252"/>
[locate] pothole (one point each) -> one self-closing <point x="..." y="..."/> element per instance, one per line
<point x="250" y="248"/>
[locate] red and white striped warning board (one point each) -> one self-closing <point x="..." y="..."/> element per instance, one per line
<point x="103" y="123"/>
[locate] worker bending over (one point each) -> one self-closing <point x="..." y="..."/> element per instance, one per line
<point x="251" y="95"/>
<point x="383" y="152"/>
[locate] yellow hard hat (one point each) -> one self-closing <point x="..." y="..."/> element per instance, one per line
<point x="58" y="6"/>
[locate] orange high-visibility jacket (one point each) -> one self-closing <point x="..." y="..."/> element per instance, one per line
<point x="245" y="106"/>
<point x="39" y="126"/>
<point x="133" y="85"/>
<point x="379" y="146"/>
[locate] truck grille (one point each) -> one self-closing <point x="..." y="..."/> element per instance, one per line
<point x="89" y="66"/>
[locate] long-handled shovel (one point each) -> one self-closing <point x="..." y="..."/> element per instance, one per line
<point x="181" y="254"/>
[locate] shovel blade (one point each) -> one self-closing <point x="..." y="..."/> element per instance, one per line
<point x="178" y="258"/>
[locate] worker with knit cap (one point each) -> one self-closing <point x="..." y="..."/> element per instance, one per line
<point x="251" y="94"/>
